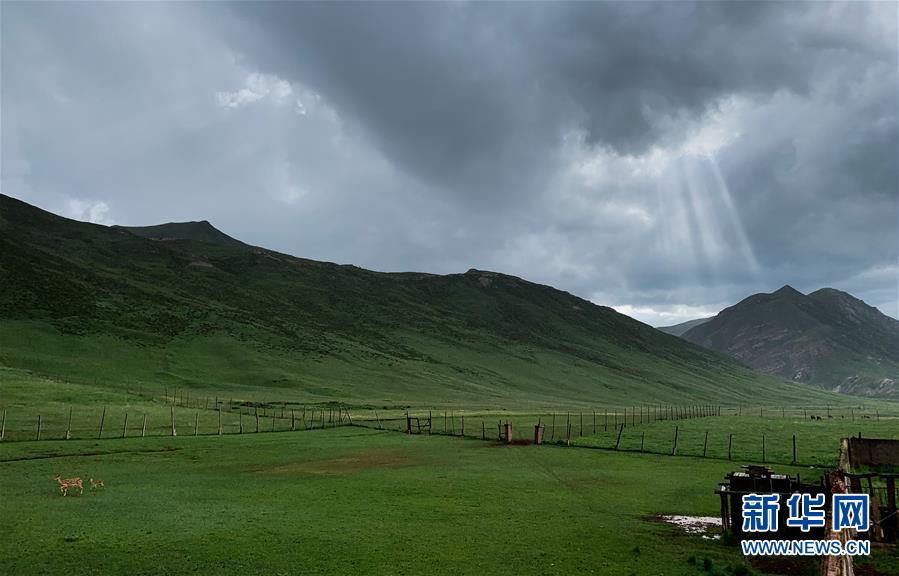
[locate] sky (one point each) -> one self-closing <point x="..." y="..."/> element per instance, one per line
<point x="665" y="159"/>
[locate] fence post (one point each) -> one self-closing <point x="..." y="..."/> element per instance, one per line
<point x="794" y="448"/>
<point x="3" y="426"/>
<point x="594" y="422"/>
<point x="174" y="432"/>
<point x="39" y="422"/>
<point x="483" y="430"/>
<point x="220" y="416"/>
<point x="463" y="425"/>
<point x="256" y="413"/>
<point x="240" y="420"/>
<point x="143" y="430"/>
<point x="730" y="443"/>
<point x="581" y="431"/>
<point x="196" y="422"/>
<point x="618" y="441"/>
<point x="605" y="421"/>
<point x="102" y="418"/>
<point x="763" y="449"/>
<point x="69" y="425"/>
<point x="674" y="449"/>
<point x="642" y="439"/>
<point x="293" y="422"/>
<point x="552" y="435"/>
<point x="125" y="425"/>
<point x="705" y="444"/>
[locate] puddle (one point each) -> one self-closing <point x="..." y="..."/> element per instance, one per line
<point x="707" y="526"/>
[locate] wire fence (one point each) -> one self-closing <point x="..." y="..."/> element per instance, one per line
<point x="767" y="434"/>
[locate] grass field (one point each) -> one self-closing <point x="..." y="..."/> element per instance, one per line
<point x="359" y="500"/>
<point x="352" y="500"/>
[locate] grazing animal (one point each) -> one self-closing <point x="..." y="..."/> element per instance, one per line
<point x="66" y="483"/>
<point x="97" y="484"/>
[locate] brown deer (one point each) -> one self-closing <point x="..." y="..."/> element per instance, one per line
<point x="65" y="484"/>
<point x="95" y="483"/>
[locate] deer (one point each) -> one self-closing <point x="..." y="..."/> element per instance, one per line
<point x="96" y="483"/>
<point x="65" y="484"/>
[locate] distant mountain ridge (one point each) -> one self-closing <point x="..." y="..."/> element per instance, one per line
<point x="679" y="329"/>
<point x="201" y="231"/>
<point x="181" y="305"/>
<point x="828" y="338"/>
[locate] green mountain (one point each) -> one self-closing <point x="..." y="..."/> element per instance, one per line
<point x="197" y="310"/>
<point x="679" y="329"/>
<point x="828" y="338"/>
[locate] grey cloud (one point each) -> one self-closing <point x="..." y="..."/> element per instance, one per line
<point x="574" y="144"/>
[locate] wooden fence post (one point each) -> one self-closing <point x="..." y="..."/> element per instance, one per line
<point x="256" y="413"/>
<point x="552" y="435"/>
<point x="674" y="449"/>
<point x="794" y="448"/>
<point x="219" y="410"/>
<point x="483" y="430"/>
<point x="293" y="422"/>
<point x="197" y="423"/>
<point x="463" y="425"/>
<point x="705" y="444"/>
<point x="174" y="432"/>
<point x="143" y="430"/>
<point x="69" y="425"/>
<point x="240" y="420"/>
<point x="618" y="441"/>
<point x="3" y="426"/>
<point x="730" y="443"/>
<point x="125" y="425"/>
<point x="763" y="449"/>
<point x="581" y="430"/>
<point x="102" y="418"/>
<point x="594" y="422"/>
<point x="39" y="422"/>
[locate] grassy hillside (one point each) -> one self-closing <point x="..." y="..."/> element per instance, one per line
<point x="827" y="338"/>
<point x="101" y="305"/>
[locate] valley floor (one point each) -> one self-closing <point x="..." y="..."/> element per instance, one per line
<point x="353" y="501"/>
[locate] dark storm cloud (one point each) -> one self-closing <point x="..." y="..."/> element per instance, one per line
<point x="468" y="93"/>
<point x="665" y="158"/>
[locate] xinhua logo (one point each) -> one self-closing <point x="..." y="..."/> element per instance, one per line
<point x="805" y="511"/>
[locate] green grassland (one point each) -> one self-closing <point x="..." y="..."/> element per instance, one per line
<point x="817" y="441"/>
<point x="110" y="327"/>
<point x="352" y="500"/>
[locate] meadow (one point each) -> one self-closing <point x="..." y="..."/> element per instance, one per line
<point x="366" y="498"/>
<point x="351" y="500"/>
